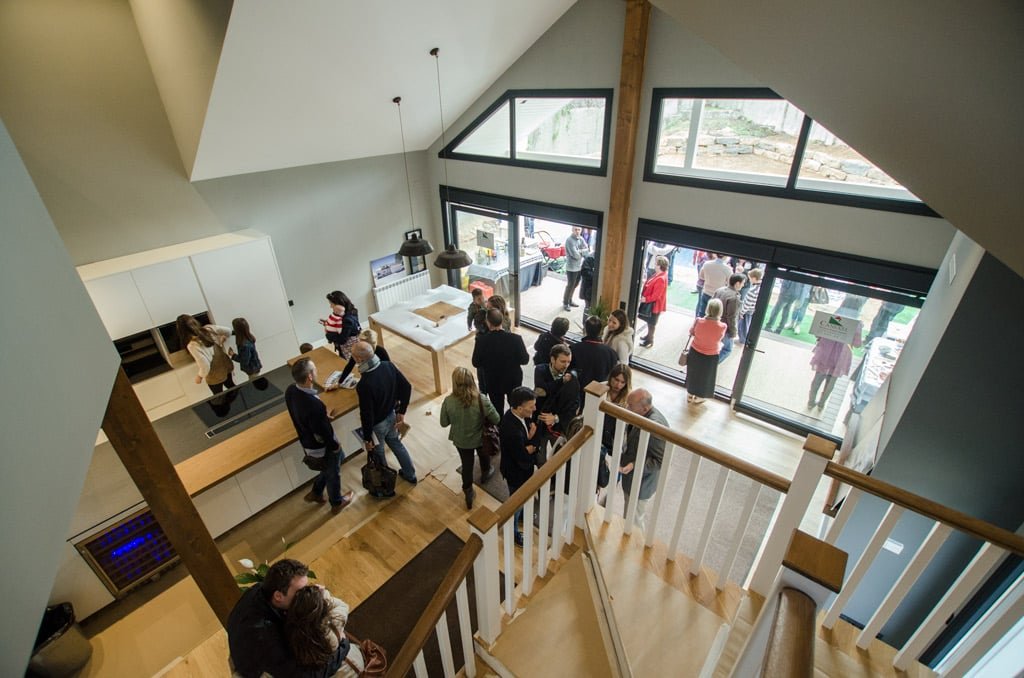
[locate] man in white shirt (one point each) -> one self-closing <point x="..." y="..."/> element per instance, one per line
<point x="715" y="274"/>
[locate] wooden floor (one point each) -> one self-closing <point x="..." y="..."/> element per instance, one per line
<point x="355" y="552"/>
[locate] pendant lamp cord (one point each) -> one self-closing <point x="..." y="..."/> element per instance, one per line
<point x="440" y="110"/>
<point x="405" y="158"/>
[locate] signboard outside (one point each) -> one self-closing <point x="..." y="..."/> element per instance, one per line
<point x="835" y="327"/>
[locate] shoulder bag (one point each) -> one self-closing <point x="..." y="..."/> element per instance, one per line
<point x="375" y="660"/>
<point x="221" y="366"/>
<point x="686" y="352"/>
<point x="489" y="435"/>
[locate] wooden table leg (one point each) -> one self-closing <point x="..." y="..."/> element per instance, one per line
<point x="440" y="371"/>
<point x="375" y="326"/>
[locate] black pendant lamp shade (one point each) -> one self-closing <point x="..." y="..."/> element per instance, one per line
<point x="415" y="246"/>
<point x="452" y="258"/>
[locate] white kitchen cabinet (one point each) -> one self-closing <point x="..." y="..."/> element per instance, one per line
<point x="222" y="507"/>
<point x="298" y="473"/>
<point x="264" y="482"/>
<point x="169" y="289"/>
<point x="243" y="281"/>
<point x="119" y="304"/>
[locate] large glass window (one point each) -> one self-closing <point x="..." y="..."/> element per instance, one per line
<point x="753" y="141"/>
<point x="564" y="130"/>
<point x="750" y="140"/>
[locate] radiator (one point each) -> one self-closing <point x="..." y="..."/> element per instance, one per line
<point x="403" y="289"/>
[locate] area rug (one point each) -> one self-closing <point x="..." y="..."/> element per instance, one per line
<point x="390" y="613"/>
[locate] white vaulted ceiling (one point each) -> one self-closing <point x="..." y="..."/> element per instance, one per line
<point x="306" y="82"/>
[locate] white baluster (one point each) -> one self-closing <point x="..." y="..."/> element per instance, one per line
<point x="614" y="463"/>
<point x="652" y="519"/>
<point x="542" y="532"/>
<point x="528" y="576"/>
<point x="753" y="492"/>
<point x="557" y="532"/>
<point x="591" y="456"/>
<point x="963" y="588"/>
<point x="709" y="520"/>
<point x="509" y="547"/>
<point x="935" y="539"/>
<point x="882" y="532"/>
<point x="638" y="472"/>
<point x="573" y="516"/>
<point x="466" y="628"/>
<point x="444" y="643"/>
<point x="845" y="511"/>
<point x="684" y="505"/>
<point x="419" y="666"/>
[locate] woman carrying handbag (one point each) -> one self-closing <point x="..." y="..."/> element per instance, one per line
<point x="469" y="414"/>
<point x="702" y="356"/>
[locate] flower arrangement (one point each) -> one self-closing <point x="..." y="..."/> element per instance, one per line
<point x="257" y="573"/>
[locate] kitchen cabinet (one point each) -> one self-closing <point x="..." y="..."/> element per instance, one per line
<point x="169" y="289"/>
<point x="119" y="304"/>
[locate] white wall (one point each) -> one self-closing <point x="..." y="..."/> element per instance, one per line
<point x="57" y="364"/>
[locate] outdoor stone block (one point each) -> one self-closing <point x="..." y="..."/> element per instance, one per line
<point x="744" y="149"/>
<point x="812" y="165"/>
<point x="876" y="174"/>
<point x="727" y="141"/>
<point x="732" y="150"/>
<point x="766" y="145"/>
<point x="855" y="167"/>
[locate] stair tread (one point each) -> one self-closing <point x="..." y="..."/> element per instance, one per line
<point x="560" y="621"/>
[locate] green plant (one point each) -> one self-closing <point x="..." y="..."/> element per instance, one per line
<point x="601" y="308"/>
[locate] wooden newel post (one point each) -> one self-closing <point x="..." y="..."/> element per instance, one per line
<point x="133" y="438"/>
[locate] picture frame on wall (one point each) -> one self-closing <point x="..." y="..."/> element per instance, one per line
<point x="416" y="264"/>
<point x="387" y="269"/>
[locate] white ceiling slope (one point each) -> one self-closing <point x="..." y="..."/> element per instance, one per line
<point x="311" y="81"/>
<point x="930" y="90"/>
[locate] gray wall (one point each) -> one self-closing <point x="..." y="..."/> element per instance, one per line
<point x="958" y="441"/>
<point x="582" y="50"/>
<point x="57" y="364"/>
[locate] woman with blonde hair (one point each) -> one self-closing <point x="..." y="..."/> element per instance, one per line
<point x="702" y="360"/>
<point x="466" y="411"/>
<point x="370" y="337"/>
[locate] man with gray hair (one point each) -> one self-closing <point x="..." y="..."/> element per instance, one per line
<point x="316" y="435"/>
<point x="384" y="395"/>
<point x="639" y="401"/>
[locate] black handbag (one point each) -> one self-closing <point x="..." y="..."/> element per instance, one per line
<point x="646" y="310"/>
<point x="379" y="480"/>
<point x="489" y="436"/>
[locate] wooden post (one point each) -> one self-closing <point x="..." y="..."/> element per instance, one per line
<point x="627" y="122"/>
<point x="484" y="524"/>
<point x="132" y="436"/>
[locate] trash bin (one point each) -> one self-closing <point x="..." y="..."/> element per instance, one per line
<point x="61" y="648"/>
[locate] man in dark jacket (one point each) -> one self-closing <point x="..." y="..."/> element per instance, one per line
<point x="558" y="392"/>
<point x="384" y="395"/>
<point x="500" y="356"/>
<point x="729" y="295"/>
<point x="316" y="435"/>
<point x="256" y="639"/>
<point x="592" y="359"/>
<point x="518" y="445"/>
<point x="556" y="335"/>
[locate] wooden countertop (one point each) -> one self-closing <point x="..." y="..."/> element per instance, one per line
<point x="241" y="451"/>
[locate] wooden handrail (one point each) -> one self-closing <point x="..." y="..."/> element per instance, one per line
<point x="442" y="598"/>
<point x="790" y="651"/>
<point x="975" y="527"/>
<point x="544" y="474"/>
<point x="752" y="471"/>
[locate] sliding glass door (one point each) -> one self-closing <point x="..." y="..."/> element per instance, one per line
<point x="519" y="251"/>
<point x="824" y="349"/>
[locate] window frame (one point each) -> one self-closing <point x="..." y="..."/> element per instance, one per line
<point x="509" y="98"/>
<point x="790" y="190"/>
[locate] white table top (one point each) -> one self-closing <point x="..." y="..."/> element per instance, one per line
<point x="401" y="319"/>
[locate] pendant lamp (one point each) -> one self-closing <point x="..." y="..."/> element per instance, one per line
<point x="452" y="257"/>
<point x="414" y="246"/>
